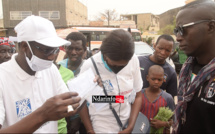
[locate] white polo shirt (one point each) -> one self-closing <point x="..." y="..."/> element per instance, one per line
<point x="21" y="93"/>
<point x="129" y="78"/>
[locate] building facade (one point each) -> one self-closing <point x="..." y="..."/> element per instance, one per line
<point x="76" y="13"/>
<point x="62" y="13"/>
<point x="144" y="21"/>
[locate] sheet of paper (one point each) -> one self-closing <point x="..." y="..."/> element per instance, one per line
<point x="84" y="85"/>
<point x="96" y="91"/>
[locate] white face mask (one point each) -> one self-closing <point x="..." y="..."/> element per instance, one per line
<point x="37" y="64"/>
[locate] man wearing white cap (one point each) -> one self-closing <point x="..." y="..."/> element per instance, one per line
<point x="30" y="79"/>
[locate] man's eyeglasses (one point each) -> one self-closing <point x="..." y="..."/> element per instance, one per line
<point x="47" y="52"/>
<point x="180" y="29"/>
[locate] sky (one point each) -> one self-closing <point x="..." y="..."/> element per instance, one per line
<point x="126" y="6"/>
<point x="130" y="6"/>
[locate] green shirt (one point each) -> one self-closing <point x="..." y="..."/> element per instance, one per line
<point x="182" y="56"/>
<point x="66" y="75"/>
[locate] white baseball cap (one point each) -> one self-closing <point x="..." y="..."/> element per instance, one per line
<point x="41" y="30"/>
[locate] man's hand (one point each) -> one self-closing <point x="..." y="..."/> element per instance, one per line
<point x="55" y="108"/>
<point x="125" y="131"/>
<point x="157" y="123"/>
<point x="98" y="80"/>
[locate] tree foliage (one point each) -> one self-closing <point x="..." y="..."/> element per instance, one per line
<point x="148" y="40"/>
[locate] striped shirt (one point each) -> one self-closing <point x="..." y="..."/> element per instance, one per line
<point x="150" y="109"/>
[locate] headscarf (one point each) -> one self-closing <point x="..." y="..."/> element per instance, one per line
<point x="5" y="41"/>
<point x="188" y="88"/>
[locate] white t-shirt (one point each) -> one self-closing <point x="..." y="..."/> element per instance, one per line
<point x="21" y="93"/>
<point x="129" y="78"/>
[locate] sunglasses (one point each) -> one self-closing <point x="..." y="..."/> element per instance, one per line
<point x="180" y="29"/>
<point x="47" y="52"/>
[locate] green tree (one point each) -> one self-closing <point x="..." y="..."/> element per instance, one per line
<point x="141" y="30"/>
<point x="148" y="40"/>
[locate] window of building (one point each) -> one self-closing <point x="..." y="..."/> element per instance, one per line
<point x="19" y="15"/>
<point x="51" y="15"/>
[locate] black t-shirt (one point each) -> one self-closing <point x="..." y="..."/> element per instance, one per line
<point x="200" y="114"/>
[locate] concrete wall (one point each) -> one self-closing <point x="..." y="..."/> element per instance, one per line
<point x="1" y="23"/>
<point x="35" y="6"/>
<point x="144" y="21"/>
<point x="76" y="13"/>
<point x="96" y="23"/>
<point x="155" y="25"/>
<point x="72" y="12"/>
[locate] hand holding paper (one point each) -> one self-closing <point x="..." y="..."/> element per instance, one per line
<point x="84" y="85"/>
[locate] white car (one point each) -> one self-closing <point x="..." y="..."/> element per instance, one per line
<point x="142" y="48"/>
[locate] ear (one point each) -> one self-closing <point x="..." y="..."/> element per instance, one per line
<point x="211" y="27"/>
<point x="104" y="57"/>
<point x="147" y="77"/>
<point x="154" y="45"/>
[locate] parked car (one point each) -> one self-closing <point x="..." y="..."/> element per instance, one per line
<point x="142" y="49"/>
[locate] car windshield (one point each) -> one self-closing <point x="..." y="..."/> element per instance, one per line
<point x="142" y="48"/>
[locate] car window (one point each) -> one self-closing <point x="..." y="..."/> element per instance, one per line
<point x="142" y="48"/>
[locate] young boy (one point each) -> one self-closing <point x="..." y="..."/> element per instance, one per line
<point x="153" y="97"/>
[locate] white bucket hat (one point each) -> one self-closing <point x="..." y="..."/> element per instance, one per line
<point x="41" y="30"/>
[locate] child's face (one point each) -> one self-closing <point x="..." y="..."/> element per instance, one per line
<point x="155" y="80"/>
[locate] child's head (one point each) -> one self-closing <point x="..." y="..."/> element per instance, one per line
<point x="155" y="76"/>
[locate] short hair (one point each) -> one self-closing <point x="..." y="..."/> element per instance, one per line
<point x="155" y="69"/>
<point x="75" y="36"/>
<point x="166" y="37"/>
<point x="118" y="45"/>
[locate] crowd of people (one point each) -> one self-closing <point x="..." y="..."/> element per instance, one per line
<point x="34" y="97"/>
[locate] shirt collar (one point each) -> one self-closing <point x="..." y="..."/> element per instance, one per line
<point x="99" y="60"/>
